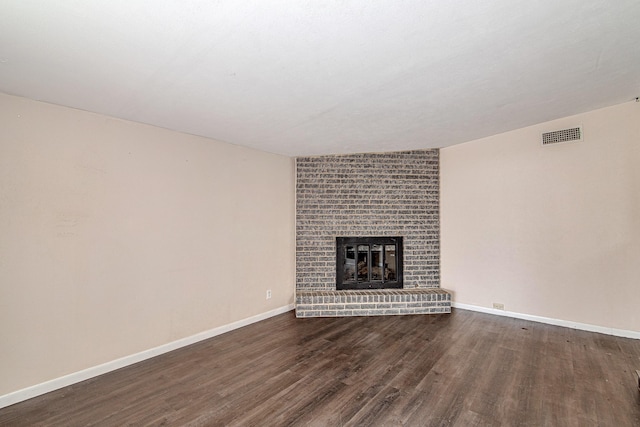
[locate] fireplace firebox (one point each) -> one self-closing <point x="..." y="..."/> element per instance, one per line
<point x="368" y="263"/>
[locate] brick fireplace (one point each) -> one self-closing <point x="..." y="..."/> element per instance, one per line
<point x="382" y="194"/>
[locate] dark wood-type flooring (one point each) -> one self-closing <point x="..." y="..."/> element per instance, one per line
<point x="459" y="369"/>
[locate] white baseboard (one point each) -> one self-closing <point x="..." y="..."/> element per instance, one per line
<point x="557" y="322"/>
<point x="94" y="371"/>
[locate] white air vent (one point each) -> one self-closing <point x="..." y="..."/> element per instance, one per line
<point x="564" y="135"/>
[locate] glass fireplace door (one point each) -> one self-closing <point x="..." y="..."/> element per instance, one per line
<point x="368" y="262"/>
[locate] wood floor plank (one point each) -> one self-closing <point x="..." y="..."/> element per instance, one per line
<point x="458" y="369"/>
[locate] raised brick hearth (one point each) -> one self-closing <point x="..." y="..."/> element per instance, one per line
<point x="360" y="195"/>
<point x="377" y="302"/>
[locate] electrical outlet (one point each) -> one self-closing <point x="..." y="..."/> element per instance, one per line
<point x="498" y="306"/>
<point x="269" y="294"/>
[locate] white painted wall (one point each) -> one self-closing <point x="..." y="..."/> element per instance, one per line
<point x="117" y="237"/>
<point x="548" y="231"/>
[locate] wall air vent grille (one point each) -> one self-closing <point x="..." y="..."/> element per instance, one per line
<point x="564" y="135"/>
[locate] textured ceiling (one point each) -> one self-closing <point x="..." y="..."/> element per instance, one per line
<point x="303" y="77"/>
